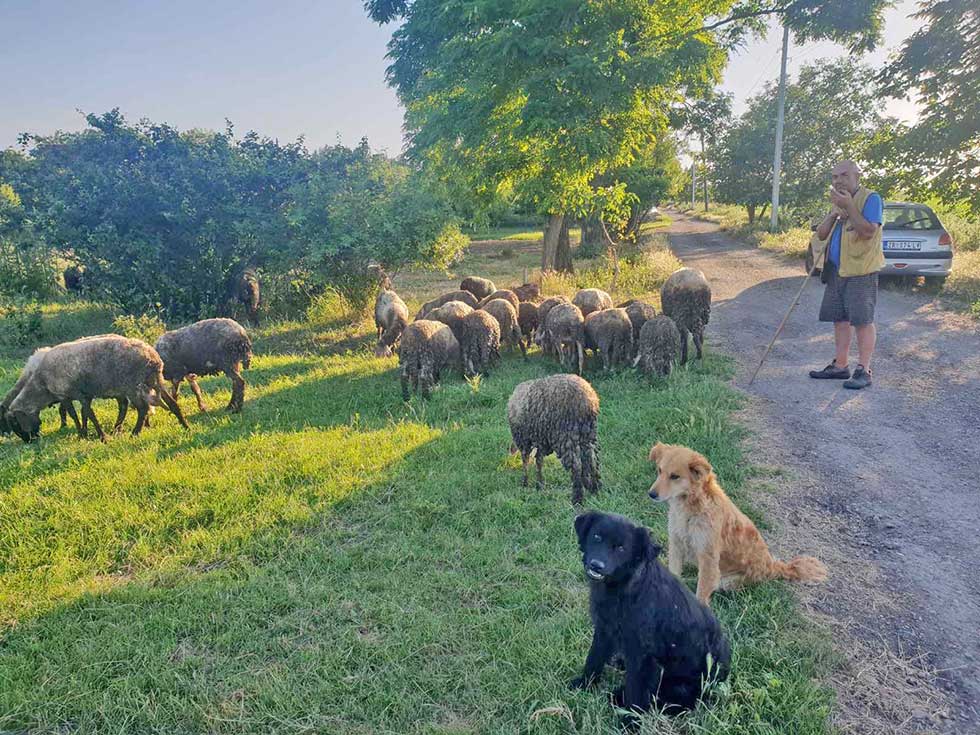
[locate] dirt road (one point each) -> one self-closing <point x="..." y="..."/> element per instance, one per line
<point x="884" y="483"/>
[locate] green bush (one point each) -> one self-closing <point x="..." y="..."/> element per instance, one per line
<point x="147" y="327"/>
<point x="21" y="323"/>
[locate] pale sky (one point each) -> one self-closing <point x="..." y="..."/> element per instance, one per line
<point x="296" y="67"/>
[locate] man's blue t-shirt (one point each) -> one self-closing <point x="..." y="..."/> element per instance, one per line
<point x="873" y="211"/>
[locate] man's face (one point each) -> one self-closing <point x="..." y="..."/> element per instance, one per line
<point x="844" y="178"/>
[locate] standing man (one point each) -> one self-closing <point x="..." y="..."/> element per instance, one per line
<point x="850" y="270"/>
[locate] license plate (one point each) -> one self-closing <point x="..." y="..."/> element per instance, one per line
<point x="902" y="245"/>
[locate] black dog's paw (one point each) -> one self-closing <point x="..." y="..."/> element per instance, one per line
<point x="580" y="682"/>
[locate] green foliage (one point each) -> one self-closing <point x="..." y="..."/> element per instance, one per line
<point x="26" y="265"/>
<point x="21" y="323"/>
<point x="147" y="327"/>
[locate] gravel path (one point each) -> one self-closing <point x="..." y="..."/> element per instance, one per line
<point x="884" y="482"/>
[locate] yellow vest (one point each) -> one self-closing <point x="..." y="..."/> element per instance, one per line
<point x="858" y="256"/>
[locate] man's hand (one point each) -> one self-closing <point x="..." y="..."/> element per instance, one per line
<point x="841" y="199"/>
<point x="838" y="212"/>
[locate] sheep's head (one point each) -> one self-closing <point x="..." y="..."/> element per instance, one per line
<point x="25" y="425"/>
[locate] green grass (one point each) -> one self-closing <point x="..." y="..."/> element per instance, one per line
<point x="334" y="560"/>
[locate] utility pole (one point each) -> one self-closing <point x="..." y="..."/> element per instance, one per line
<point x="777" y="160"/>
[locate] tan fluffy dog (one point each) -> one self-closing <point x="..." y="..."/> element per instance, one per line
<point x="706" y="528"/>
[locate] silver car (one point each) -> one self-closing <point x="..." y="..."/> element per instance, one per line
<point x="914" y="242"/>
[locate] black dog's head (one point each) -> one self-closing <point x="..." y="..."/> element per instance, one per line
<point x="612" y="547"/>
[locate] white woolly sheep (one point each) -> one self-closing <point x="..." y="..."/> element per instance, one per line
<point x="390" y="319"/>
<point x="592" y="299"/>
<point x="564" y="331"/>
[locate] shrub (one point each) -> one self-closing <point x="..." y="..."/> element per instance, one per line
<point x="147" y="327"/>
<point x="21" y="323"/>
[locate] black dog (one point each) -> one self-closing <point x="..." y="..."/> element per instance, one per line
<point x="645" y="614"/>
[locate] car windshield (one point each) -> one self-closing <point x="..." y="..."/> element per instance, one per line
<point x="910" y="217"/>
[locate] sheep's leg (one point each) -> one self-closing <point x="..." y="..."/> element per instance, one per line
<point x="192" y="381"/>
<point x="539" y="461"/>
<point x="175" y="387"/>
<point x="698" y="335"/>
<point x="237" y="389"/>
<point x="683" y="346"/>
<point x="171" y="404"/>
<point x="63" y="415"/>
<point x="405" y="384"/>
<point x="142" y="408"/>
<point x="87" y="408"/>
<point x="123" y="404"/>
<point x="525" y="458"/>
<point x="581" y="357"/>
<point x="520" y="343"/>
<point x="67" y="408"/>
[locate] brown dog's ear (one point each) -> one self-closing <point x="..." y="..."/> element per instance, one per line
<point x="699" y="467"/>
<point x="657" y="451"/>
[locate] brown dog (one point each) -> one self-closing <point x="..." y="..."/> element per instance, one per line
<point x="705" y="527"/>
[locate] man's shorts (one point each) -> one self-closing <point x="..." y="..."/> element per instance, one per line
<point x="850" y="299"/>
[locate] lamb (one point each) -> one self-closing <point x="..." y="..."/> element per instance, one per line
<point x="558" y="414"/>
<point x="480" y="343"/>
<point x="390" y="319"/>
<point x="510" y="328"/>
<point x="540" y="337"/>
<point x="592" y="299"/>
<point x="504" y="294"/>
<point x="108" y="366"/>
<point x="247" y="292"/>
<point x="527" y="317"/>
<point x="686" y="298"/>
<point x="657" y="348"/>
<point x="564" y="331"/>
<point x="610" y="332"/>
<point x="528" y="292"/>
<point x="427" y="349"/>
<point x="465" y="296"/>
<point x="451" y="313"/>
<point x="207" y="347"/>
<point x="479" y="287"/>
<point x="639" y="313"/>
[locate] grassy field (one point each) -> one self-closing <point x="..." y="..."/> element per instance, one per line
<point x="334" y="560"/>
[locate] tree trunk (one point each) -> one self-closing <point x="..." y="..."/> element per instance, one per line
<point x="549" y="249"/>
<point x="563" y="256"/>
<point x="751" y="208"/>
<point x="592" y="241"/>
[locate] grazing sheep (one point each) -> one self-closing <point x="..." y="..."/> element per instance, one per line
<point x="592" y="299"/>
<point x="247" y="292"/>
<point x="479" y="287"/>
<point x="451" y="313"/>
<point x="540" y="338"/>
<point x="639" y="313"/>
<point x="527" y="317"/>
<point x="108" y="366"/>
<point x="390" y="319"/>
<point x="74" y="275"/>
<point x="558" y="414"/>
<point x="657" y="348"/>
<point x="504" y="294"/>
<point x="480" y="343"/>
<point x="564" y="331"/>
<point x="427" y="349"/>
<point x="528" y="292"/>
<point x="510" y="327"/>
<point x="465" y="296"/>
<point x="610" y="332"/>
<point x="686" y="298"/>
<point x="207" y="347"/>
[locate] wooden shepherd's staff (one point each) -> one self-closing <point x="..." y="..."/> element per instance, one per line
<point x="782" y="324"/>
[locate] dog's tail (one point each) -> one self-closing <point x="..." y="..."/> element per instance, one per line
<point x="801" y="569"/>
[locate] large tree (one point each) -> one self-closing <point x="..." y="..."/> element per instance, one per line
<point x="940" y="64"/>
<point x="705" y="117"/>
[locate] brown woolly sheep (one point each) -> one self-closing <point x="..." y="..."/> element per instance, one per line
<point x="74" y="278"/>
<point x="428" y="348"/>
<point x="504" y="294"/>
<point x="390" y="319"/>
<point x="610" y="332"/>
<point x="480" y="343"/>
<point x="686" y="298"/>
<point x="564" y="331"/>
<point x="639" y="313"/>
<point x="510" y="327"/>
<point x="465" y="296"/>
<point x="207" y="347"/>
<point x="527" y="292"/>
<point x="558" y="414"/>
<point x="592" y="299"/>
<point x="247" y="292"/>
<point x="451" y="313"/>
<point x="657" y="349"/>
<point x="108" y="366"/>
<point x="527" y="317"/>
<point x="479" y="287"/>
<point x="540" y="338"/>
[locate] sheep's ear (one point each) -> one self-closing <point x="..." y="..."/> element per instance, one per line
<point x="657" y="451"/>
<point x="699" y="468"/>
<point x="583" y="523"/>
<point x="646" y="549"/>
